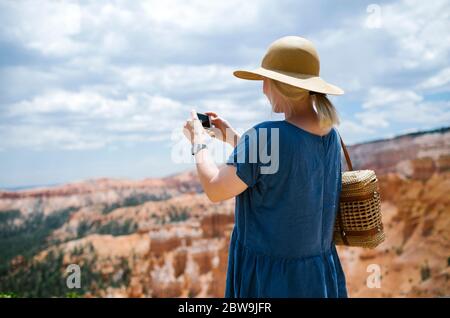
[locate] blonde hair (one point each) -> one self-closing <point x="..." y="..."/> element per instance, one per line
<point x="285" y="98"/>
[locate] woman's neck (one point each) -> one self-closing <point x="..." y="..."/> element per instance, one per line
<point x="304" y="113"/>
<point x="306" y="118"/>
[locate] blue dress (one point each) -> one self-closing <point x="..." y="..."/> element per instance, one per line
<point x="282" y="241"/>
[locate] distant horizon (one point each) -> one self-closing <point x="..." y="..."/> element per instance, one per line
<point x="440" y="129"/>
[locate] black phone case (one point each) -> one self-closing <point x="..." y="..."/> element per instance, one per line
<point x="206" y="121"/>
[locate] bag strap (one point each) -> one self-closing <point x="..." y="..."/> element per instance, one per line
<point x="339" y="216"/>
<point x="347" y="157"/>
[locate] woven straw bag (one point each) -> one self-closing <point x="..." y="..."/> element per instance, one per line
<point x="358" y="221"/>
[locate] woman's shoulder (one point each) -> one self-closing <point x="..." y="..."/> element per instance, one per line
<point x="268" y="124"/>
<point x="265" y="128"/>
<point x="262" y="133"/>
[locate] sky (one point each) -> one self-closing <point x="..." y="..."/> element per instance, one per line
<point x="92" y="89"/>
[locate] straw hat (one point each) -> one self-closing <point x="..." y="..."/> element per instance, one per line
<point x="292" y="60"/>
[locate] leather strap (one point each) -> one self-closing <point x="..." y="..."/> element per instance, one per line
<point x="373" y="231"/>
<point x="361" y="197"/>
<point x="350" y="167"/>
<point x="347" y="157"/>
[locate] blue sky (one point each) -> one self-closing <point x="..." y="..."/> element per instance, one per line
<point x="97" y="88"/>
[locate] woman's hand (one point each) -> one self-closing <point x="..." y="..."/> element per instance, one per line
<point x="218" y="183"/>
<point x="226" y="133"/>
<point x="193" y="129"/>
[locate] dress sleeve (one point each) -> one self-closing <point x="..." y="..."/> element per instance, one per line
<point x="246" y="157"/>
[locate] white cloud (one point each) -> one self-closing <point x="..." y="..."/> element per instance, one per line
<point x="439" y="81"/>
<point x="194" y="78"/>
<point x="351" y="131"/>
<point x="102" y="75"/>
<point x="383" y="96"/>
<point x="44" y="137"/>
<point x="411" y="42"/>
<point x="385" y="107"/>
<point x="46" y="26"/>
<point x="68" y="28"/>
<point x="133" y="105"/>
<point x="132" y="70"/>
<point x="198" y="16"/>
<point x="86" y="119"/>
<point x="87" y="103"/>
<point x="373" y="119"/>
<point x="421" y="31"/>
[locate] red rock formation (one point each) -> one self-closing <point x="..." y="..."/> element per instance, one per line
<point x="384" y="156"/>
<point x="180" y="246"/>
<point x="418" y="236"/>
<point x="215" y="225"/>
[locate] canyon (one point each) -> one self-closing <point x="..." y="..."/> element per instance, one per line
<point x="164" y="238"/>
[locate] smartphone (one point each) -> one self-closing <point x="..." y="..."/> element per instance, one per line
<point x="206" y="121"/>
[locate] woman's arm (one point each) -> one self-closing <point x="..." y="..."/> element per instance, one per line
<point x="219" y="183"/>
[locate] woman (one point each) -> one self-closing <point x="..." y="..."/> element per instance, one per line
<point x="282" y="241"/>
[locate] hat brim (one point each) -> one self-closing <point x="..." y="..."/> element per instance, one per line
<point x="305" y="81"/>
